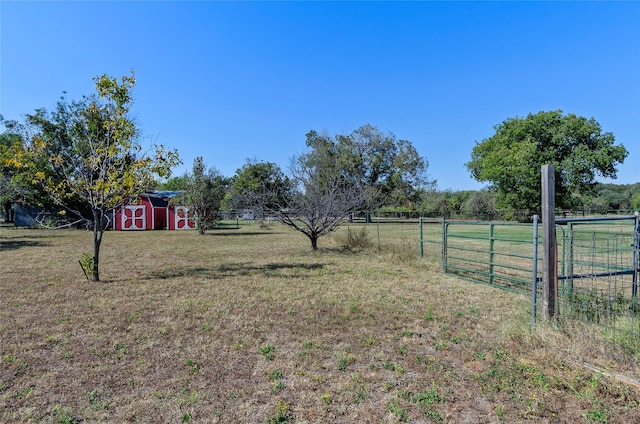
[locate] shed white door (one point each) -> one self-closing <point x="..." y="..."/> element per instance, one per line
<point x="134" y="217"/>
<point x="185" y="218"/>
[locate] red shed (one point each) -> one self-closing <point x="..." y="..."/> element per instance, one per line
<point x="152" y="210"/>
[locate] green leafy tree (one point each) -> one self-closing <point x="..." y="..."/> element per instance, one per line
<point x="204" y="190"/>
<point x="614" y="197"/>
<point x="433" y="203"/>
<point x="16" y="162"/>
<point x="635" y="202"/>
<point x="389" y="171"/>
<point x="617" y="196"/>
<point x="178" y="183"/>
<point x="445" y="203"/>
<point x="511" y="159"/>
<point x="86" y="155"/>
<point x="480" y="205"/>
<point x="259" y="186"/>
<point x="11" y="152"/>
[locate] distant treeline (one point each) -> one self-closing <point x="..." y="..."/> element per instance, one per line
<point x="474" y="204"/>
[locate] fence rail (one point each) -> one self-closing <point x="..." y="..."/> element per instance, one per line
<point x="498" y="254"/>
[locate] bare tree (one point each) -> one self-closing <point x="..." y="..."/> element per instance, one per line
<point x="322" y="199"/>
<point x="344" y="174"/>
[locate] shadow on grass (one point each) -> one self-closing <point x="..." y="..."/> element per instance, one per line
<point x="17" y="244"/>
<point x="290" y="270"/>
<point x="234" y="232"/>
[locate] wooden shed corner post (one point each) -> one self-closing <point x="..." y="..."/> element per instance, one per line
<point x="549" y="249"/>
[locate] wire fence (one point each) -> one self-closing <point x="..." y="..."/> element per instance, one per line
<point x="597" y="277"/>
<point x="598" y="287"/>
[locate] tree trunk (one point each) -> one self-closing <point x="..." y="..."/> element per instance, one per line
<point x="314" y="242"/>
<point x="98" y="231"/>
<point x="8" y="210"/>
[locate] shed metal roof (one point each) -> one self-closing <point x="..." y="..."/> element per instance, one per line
<point x="161" y="194"/>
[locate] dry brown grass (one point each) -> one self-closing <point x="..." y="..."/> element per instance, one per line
<point x="251" y="326"/>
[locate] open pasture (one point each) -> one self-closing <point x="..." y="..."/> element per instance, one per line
<point x="249" y="325"/>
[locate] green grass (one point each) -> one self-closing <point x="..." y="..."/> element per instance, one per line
<point x="250" y="325"/>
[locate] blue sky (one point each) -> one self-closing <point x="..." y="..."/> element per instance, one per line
<point x="230" y="81"/>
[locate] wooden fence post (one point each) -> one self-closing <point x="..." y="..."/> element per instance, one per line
<point x="549" y="250"/>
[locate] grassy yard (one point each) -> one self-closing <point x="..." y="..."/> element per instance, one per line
<point x="249" y="325"/>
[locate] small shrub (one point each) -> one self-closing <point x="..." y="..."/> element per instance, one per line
<point x="428" y="398"/>
<point x="87" y="264"/>
<point x="326" y="398"/>
<point x="357" y="240"/>
<point x="193" y="367"/>
<point x="64" y="416"/>
<point x="344" y="360"/>
<point x="274" y="375"/>
<point x="428" y="314"/>
<point x="397" y="411"/>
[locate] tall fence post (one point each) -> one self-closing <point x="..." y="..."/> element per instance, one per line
<point x="491" y="253"/>
<point x="444" y="245"/>
<point x="636" y="261"/>
<point x="569" y="260"/>
<point x="534" y="273"/>
<point x="549" y="249"/>
<point x="421" y="240"/>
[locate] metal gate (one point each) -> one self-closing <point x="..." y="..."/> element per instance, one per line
<point x="498" y="254"/>
<point x="597" y="267"/>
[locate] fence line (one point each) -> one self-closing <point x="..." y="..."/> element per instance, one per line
<point x="597" y="262"/>
<point x="597" y="266"/>
<point x="597" y="275"/>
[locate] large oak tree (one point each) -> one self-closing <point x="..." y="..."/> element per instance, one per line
<point x="390" y="170"/>
<point x="511" y="159"/>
